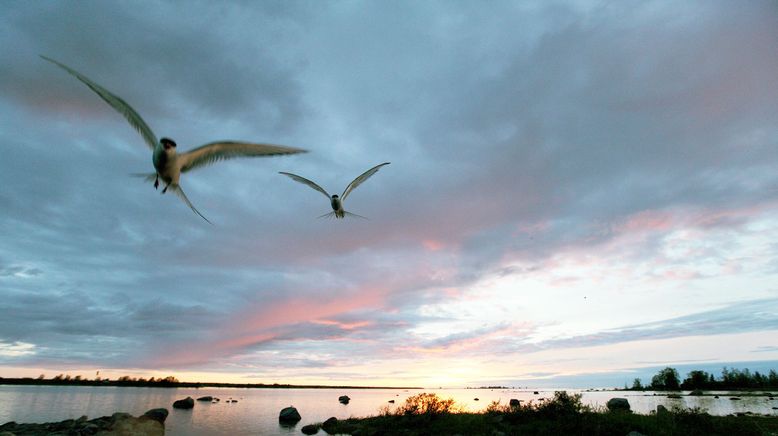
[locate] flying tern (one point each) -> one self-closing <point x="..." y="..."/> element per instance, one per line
<point x="167" y="162"/>
<point x="335" y="201"/>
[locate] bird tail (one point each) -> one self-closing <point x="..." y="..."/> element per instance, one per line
<point x="354" y="215"/>
<point x="147" y="177"/>
<point x="180" y="193"/>
<point x="327" y="215"/>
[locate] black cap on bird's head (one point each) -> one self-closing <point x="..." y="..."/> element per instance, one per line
<point x="334" y="195"/>
<point x="167" y="143"/>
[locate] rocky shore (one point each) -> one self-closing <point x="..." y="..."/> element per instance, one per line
<point x="151" y="423"/>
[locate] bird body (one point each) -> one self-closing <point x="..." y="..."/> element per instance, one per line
<point x="168" y="163"/>
<point x="337" y="202"/>
<point x="337" y="207"/>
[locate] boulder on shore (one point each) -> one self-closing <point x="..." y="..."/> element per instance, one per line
<point x="205" y="398"/>
<point x="289" y="415"/>
<point x="661" y="410"/>
<point x="159" y="415"/>
<point x="186" y="403"/>
<point x="618" y="404"/>
<point x="152" y="423"/>
<point x="695" y="392"/>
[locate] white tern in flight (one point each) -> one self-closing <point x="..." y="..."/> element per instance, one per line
<point x="168" y="164"/>
<point x="335" y="202"/>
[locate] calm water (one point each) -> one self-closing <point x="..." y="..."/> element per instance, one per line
<point x="256" y="411"/>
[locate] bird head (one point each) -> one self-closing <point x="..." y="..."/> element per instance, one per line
<point x="334" y="196"/>
<point x="167" y="143"/>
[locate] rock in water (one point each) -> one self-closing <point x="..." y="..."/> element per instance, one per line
<point x="344" y="399"/>
<point x="206" y="398"/>
<point x="289" y="415"/>
<point x="309" y="429"/>
<point x="514" y="402"/>
<point x="329" y="424"/>
<point x="186" y="403"/>
<point x="618" y="404"/>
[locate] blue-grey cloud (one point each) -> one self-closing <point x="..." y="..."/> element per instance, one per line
<point x="514" y="131"/>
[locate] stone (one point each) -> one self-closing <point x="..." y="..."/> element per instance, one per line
<point x="618" y="404"/>
<point x="136" y="426"/>
<point x="186" y="403"/>
<point x="159" y="415"/>
<point x="696" y="392"/>
<point x="289" y="415"/>
<point x="391" y="401"/>
<point x="344" y="399"/>
<point x="674" y="396"/>
<point x="329" y="424"/>
<point x="514" y="402"/>
<point x="734" y="398"/>
<point x="309" y="429"/>
<point x="118" y="424"/>
<point x="205" y="398"/>
<point x="661" y="410"/>
<point x="536" y="393"/>
<point x="475" y="399"/>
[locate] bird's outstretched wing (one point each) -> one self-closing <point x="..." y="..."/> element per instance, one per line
<point x="305" y="181"/>
<point x="223" y="150"/>
<point x="180" y="193"/>
<point x="117" y="103"/>
<point x="358" y="181"/>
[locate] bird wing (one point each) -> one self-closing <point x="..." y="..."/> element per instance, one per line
<point x="117" y="103"/>
<point x="180" y="193"/>
<point x="305" y="181"/>
<point x="223" y="150"/>
<point x="359" y="180"/>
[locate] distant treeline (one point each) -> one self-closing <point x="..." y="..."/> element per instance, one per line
<point x="167" y="382"/>
<point x="668" y="379"/>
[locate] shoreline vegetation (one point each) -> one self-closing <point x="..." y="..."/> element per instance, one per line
<point x="167" y="382"/>
<point x="667" y="379"/>
<point x="428" y="414"/>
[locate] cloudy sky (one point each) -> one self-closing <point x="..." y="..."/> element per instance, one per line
<point x="578" y="190"/>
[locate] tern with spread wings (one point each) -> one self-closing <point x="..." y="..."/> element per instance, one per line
<point x="167" y="162"/>
<point x="335" y="201"/>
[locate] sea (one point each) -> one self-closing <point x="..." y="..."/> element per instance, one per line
<point x="256" y="410"/>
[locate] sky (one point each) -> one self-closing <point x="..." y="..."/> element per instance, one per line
<point x="580" y="192"/>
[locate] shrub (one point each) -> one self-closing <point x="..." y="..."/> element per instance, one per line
<point x="426" y="404"/>
<point x="563" y="404"/>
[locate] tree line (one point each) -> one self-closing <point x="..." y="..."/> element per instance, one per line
<point x="668" y="379"/>
<point x="166" y="382"/>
